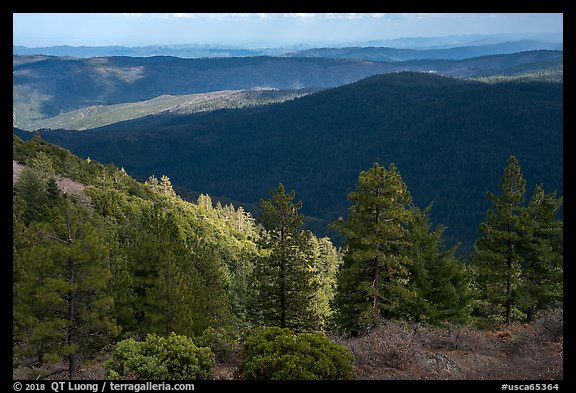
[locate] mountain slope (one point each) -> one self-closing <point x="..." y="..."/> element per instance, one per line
<point x="101" y="115"/>
<point x="449" y="138"/>
<point x="68" y="84"/>
<point x="50" y="86"/>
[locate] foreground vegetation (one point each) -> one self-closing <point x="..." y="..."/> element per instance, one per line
<point x="410" y="351"/>
<point x="163" y="288"/>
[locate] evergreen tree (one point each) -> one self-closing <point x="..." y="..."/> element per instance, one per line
<point x="152" y="182"/>
<point x="43" y="163"/>
<point x="240" y="218"/>
<point x="542" y="250"/>
<point x="31" y="187"/>
<point x="497" y="251"/>
<point x="168" y="265"/>
<point x="282" y="293"/>
<point x="178" y="277"/>
<point x="166" y="186"/>
<point x="62" y="304"/>
<point x="373" y="278"/>
<point x="439" y="282"/>
<point x="52" y="192"/>
<point x="325" y="263"/>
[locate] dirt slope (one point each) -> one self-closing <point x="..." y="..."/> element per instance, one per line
<point x="66" y="185"/>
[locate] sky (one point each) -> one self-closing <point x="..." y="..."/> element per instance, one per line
<point x="264" y="29"/>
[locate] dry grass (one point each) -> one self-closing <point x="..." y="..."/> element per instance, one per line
<point x="413" y="351"/>
<point x="400" y="350"/>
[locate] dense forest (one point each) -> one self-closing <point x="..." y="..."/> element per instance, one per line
<point x="130" y="275"/>
<point x="455" y="134"/>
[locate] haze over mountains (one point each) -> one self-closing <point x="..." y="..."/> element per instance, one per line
<point x="454" y="46"/>
<point x="457" y="53"/>
<point x="449" y="136"/>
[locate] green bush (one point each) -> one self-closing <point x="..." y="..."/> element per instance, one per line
<point x="172" y="357"/>
<point x="223" y="341"/>
<point x="280" y="354"/>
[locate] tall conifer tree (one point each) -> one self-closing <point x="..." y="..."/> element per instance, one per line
<point x="372" y="281"/>
<point x="542" y="250"/>
<point x="283" y="289"/>
<point x="496" y="252"/>
<point x="325" y="263"/>
<point x="62" y="303"/>
<point x="439" y="282"/>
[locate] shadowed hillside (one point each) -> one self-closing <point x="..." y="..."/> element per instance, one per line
<point x="46" y="86"/>
<point x="449" y="138"/>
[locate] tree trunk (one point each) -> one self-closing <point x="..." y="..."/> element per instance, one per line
<point x="376" y="265"/>
<point x="508" y="303"/>
<point x="169" y="298"/>
<point x="70" y="340"/>
<point x="529" y="315"/>
<point x="72" y="365"/>
<point x="282" y="281"/>
<point x="375" y="282"/>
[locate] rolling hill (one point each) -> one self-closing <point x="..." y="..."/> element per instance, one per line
<point x="100" y="115"/>
<point x="450" y="139"/>
<point x="45" y="86"/>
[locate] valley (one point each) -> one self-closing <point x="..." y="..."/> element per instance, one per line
<point x="317" y="144"/>
<point x="45" y="87"/>
<point x="100" y="115"/>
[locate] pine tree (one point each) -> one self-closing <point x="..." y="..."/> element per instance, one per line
<point x="31" y="187"/>
<point x="439" y="282"/>
<point x="43" y="163"/>
<point x="156" y="258"/>
<point x="542" y="250"/>
<point x="372" y="281"/>
<point x="166" y="186"/>
<point x="179" y="281"/>
<point x="205" y="203"/>
<point x="62" y="304"/>
<point x="282" y="291"/>
<point x="52" y="192"/>
<point x="325" y="263"/>
<point x="152" y="182"/>
<point x="497" y="250"/>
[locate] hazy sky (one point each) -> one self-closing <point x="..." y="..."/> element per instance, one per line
<point x="32" y="29"/>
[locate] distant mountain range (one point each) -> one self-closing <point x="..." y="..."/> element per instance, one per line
<point x="47" y="86"/>
<point x="527" y="42"/>
<point x="458" y="40"/>
<point x="450" y="139"/>
<point x="184" y="51"/>
<point x="457" y="53"/>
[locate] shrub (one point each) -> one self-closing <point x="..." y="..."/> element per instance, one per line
<point x="280" y="354"/>
<point x="172" y="357"/>
<point x="387" y="346"/>
<point x="223" y="341"/>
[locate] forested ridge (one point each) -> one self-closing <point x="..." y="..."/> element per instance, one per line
<point x="47" y="86"/>
<point x="453" y="133"/>
<point x="150" y="286"/>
